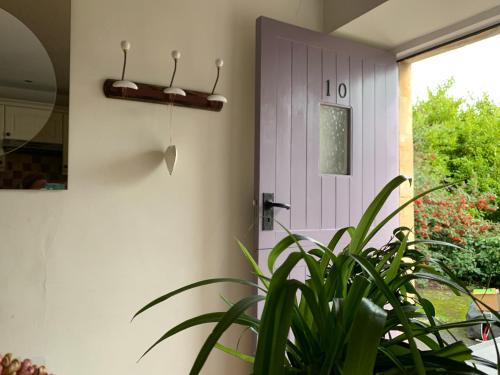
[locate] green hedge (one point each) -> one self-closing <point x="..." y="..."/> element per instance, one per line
<point x="459" y="139"/>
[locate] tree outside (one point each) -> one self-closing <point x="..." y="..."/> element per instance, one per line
<point x="459" y="140"/>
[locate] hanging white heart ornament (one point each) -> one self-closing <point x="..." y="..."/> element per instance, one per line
<point x="171" y="158"/>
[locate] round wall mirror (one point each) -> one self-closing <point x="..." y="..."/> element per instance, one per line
<point x="28" y="86"/>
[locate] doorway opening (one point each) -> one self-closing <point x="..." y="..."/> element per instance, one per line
<point x="450" y="132"/>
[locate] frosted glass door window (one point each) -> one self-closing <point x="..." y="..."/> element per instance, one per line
<point x="334" y="140"/>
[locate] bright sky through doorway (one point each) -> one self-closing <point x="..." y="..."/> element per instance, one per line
<point x="475" y="67"/>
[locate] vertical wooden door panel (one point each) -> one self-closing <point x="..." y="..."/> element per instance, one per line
<point x="368" y="132"/>
<point x="343" y="79"/>
<point x="328" y="202"/>
<point x="380" y="128"/>
<point x="343" y="196"/>
<point x="267" y="68"/>
<point x="329" y="69"/>
<point x="283" y="129"/>
<point x="392" y="102"/>
<point x="381" y="135"/>
<point x="299" y="134"/>
<point x="313" y="220"/>
<point x="342" y="185"/>
<point x="356" y="99"/>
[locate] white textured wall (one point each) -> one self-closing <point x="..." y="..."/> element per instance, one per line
<point x="75" y="265"/>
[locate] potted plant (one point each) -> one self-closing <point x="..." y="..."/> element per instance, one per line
<point x="358" y="311"/>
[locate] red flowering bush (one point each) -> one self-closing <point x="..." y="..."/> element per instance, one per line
<point x="454" y="217"/>
<point x="459" y="218"/>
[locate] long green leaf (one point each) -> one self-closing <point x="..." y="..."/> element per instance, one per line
<point x="230" y="317"/>
<point x="341" y="317"/>
<point x="254" y="265"/>
<point x="316" y="274"/>
<point x="386" y="258"/>
<point x="203" y="319"/>
<point x="192" y="286"/>
<point x="338" y="235"/>
<point x="435" y="243"/>
<point x="278" y="302"/>
<point x="269" y="357"/>
<point x="457" y="351"/>
<point x="396" y="262"/>
<point x="367" y="329"/>
<point x="358" y="237"/>
<point x="244" y="357"/>
<point x="394" y="359"/>
<point x="285" y="243"/>
<point x="383" y="222"/>
<point x="419" y="365"/>
<point x="353" y="300"/>
<point x="305" y="340"/>
<point x="430" y="313"/>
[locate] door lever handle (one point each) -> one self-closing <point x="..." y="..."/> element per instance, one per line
<point x="268" y="207"/>
<point x="271" y="204"/>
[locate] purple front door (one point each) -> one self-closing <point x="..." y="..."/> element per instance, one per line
<point x="327" y="131"/>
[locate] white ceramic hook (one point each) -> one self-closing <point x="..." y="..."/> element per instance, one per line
<point x="176" y="55"/>
<point x="125" y="45"/>
<point x="123" y="83"/>
<point x="219" y="63"/>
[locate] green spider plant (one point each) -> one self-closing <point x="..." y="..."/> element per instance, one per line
<point x="357" y="312"/>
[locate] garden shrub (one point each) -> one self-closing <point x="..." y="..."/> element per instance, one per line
<point x="458" y="139"/>
<point x="451" y="217"/>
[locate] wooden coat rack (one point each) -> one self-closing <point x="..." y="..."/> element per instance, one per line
<point x="143" y="92"/>
<point x="154" y="94"/>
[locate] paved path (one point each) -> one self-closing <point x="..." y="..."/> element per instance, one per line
<point x="487" y="351"/>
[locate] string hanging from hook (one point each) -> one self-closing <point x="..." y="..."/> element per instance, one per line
<point x="170" y="126"/>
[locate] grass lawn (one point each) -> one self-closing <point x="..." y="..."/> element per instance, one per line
<point x="449" y="308"/>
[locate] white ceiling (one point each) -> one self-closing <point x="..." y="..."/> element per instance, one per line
<point x="395" y="24"/>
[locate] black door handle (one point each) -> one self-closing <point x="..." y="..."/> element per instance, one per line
<point x="268" y="207"/>
<point x="271" y="204"/>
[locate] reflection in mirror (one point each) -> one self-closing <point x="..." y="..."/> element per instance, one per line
<point x="34" y="86"/>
